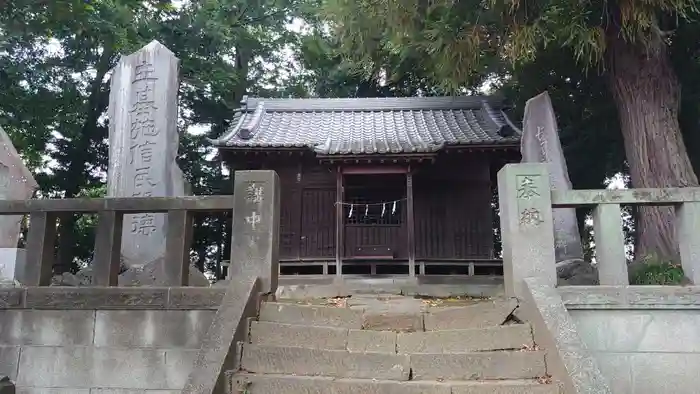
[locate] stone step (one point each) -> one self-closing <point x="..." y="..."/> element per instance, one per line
<point x="300" y="361"/>
<point x="480" y="315"/>
<point x="515" y="336"/>
<point x="325" y="338"/>
<point x="311" y="315"/>
<point x="285" y="384"/>
<point x="478" y="366"/>
<point x="333" y="338"/>
<point x="287" y="360"/>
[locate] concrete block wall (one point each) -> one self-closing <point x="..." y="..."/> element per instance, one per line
<point x="84" y="351"/>
<point x="644" y="351"/>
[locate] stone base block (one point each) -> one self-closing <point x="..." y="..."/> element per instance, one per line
<point x="478" y="366"/>
<point x="265" y="384"/>
<point x="12" y="264"/>
<point x="311" y="315"/>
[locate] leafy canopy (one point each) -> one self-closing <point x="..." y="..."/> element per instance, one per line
<point x="460" y="40"/>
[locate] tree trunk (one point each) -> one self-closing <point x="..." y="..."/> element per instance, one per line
<point x="646" y="91"/>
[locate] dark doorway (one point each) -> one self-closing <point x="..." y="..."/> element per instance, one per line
<point x="374" y="215"/>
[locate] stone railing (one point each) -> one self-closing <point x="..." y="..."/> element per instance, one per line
<point x="197" y="328"/>
<point x="526" y="204"/>
<point x="611" y="338"/>
<point x="256" y="215"/>
<point x="44" y="214"/>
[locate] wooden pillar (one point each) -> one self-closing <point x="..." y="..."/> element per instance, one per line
<point x="296" y="211"/>
<point x="339" y="228"/>
<point x="410" y="224"/>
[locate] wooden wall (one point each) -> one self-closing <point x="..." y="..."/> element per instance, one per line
<point x="452" y="197"/>
<point x="453" y="213"/>
<point x="307" y="223"/>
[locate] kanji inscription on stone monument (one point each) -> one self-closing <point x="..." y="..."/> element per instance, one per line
<point x="143" y="143"/>
<point x="254" y="219"/>
<point x="254" y="193"/>
<point x="540" y="144"/>
<point x="142" y="131"/>
<point x="543" y="142"/>
<point x="255" y="230"/>
<point x="530" y="217"/>
<point x="527" y="188"/>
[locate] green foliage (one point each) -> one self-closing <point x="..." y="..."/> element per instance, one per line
<point x="55" y="59"/>
<point x="458" y="42"/>
<point x="658" y="272"/>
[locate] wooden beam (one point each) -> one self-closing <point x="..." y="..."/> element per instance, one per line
<point x="107" y="256"/>
<point x="340" y="222"/>
<point x="40" y="249"/>
<point x="410" y="224"/>
<point x="374" y="169"/>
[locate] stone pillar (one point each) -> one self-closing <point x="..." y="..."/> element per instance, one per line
<point x="687" y="223"/>
<point x="143" y="144"/>
<point x="16" y="183"/>
<point x="12" y="263"/>
<point x="540" y="144"/>
<point x="527" y="232"/>
<point x="256" y="223"/>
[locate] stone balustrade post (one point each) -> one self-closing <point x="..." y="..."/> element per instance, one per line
<point x="256" y="222"/>
<point x="687" y="221"/>
<point x="610" y="245"/>
<point x="527" y="232"/>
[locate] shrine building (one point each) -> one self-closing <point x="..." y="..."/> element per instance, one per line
<point x="399" y="186"/>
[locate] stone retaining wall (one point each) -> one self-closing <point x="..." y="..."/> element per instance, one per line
<point x="645" y="338"/>
<point x="103" y="340"/>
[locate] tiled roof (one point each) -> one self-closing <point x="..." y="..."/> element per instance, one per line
<point x="370" y="125"/>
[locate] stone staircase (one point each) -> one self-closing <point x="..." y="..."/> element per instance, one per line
<point x="390" y="345"/>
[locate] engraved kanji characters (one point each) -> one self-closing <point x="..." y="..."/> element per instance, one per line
<point x="527" y="188"/>
<point x="143" y="70"/>
<point x="142" y="178"/>
<point x="254" y="219"/>
<point x="141" y="147"/>
<point x="144" y="224"/>
<point x="530" y="217"/>
<point x="143" y="151"/>
<point x="254" y="193"/>
<point x="542" y="140"/>
<point x="142" y="111"/>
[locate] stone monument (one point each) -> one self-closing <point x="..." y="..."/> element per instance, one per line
<point x="143" y="144"/>
<point x="540" y="144"/>
<point x="256" y="223"/>
<point x="16" y="183"/>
